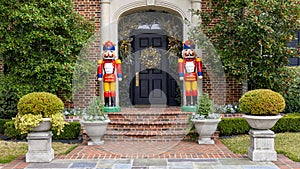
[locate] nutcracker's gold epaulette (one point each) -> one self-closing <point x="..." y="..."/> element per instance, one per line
<point x="198" y="59"/>
<point x="180" y="60"/>
<point x="100" y="61"/>
<point x="118" y="61"/>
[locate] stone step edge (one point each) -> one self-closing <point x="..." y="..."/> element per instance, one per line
<point x="148" y="122"/>
<point x="148" y="113"/>
<point x="146" y="133"/>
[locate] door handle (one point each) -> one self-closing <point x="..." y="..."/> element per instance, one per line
<point x="137" y="79"/>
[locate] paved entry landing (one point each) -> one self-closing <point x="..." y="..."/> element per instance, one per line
<point x="183" y="155"/>
<point x="180" y="149"/>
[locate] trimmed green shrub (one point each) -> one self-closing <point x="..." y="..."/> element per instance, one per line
<point x="2" y="123"/>
<point x="42" y="103"/>
<point x="33" y="107"/>
<point x="233" y="126"/>
<point x="289" y="123"/>
<point x="11" y="132"/>
<point x="262" y="102"/>
<point x="71" y="132"/>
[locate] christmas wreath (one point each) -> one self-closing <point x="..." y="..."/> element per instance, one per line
<point x="150" y="58"/>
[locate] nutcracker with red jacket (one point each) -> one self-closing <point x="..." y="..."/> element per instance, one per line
<point x="106" y="73"/>
<point x="190" y="69"/>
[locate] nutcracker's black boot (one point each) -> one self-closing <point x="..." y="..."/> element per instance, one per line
<point x="112" y="102"/>
<point x="188" y="100"/>
<point x="106" y="101"/>
<point x="194" y="100"/>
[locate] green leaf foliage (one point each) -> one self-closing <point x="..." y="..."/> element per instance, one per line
<point x="251" y="38"/>
<point x="40" y="42"/>
<point x="292" y="96"/>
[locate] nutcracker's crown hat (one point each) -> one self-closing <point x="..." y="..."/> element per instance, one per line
<point x="108" y="46"/>
<point x="188" y="44"/>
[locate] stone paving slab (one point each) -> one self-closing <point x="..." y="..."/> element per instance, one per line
<point x="154" y="164"/>
<point x="149" y="162"/>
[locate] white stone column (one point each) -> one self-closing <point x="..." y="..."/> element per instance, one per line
<point x="105" y="21"/>
<point x="196" y="5"/>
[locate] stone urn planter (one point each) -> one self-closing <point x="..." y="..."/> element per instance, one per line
<point x="95" y="121"/>
<point x="261" y="122"/>
<point x="204" y="120"/>
<point x="206" y="128"/>
<point x="95" y="130"/>
<point x="262" y="108"/>
<point x="43" y="126"/>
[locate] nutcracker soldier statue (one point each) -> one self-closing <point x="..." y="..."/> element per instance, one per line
<point x="106" y="73"/>
<point x="190" y="69"/>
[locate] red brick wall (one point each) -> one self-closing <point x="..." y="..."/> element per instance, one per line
<point x="91" y="10"/>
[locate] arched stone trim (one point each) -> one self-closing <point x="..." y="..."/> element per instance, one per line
<point x="173" y="9"/>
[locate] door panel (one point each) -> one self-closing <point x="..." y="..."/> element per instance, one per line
<point x="150" y="79"/>
<point x="144" y="92"/>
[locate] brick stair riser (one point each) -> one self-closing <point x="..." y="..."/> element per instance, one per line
<point x="147" y="126"/>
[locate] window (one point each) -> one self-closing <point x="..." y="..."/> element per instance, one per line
<point x="295" y="61"/>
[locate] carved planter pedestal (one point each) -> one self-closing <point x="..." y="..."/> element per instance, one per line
<point x="40" y="143"/>
<point x="261" y="138"/>
<point x="206" y="128"/>
<point x="262" y="145"/>
<point x="95" y="130"/>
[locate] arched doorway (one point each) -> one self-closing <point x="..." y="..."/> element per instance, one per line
<point x="149" y="46"/>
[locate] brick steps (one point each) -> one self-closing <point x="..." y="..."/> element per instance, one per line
<point x="134" y="124"/>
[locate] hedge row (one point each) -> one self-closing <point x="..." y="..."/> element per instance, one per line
<point x="2" y="127"/>
<point x="71" y="131"/>
<point x="236" y="126"/>
<point x="233" y="126"/>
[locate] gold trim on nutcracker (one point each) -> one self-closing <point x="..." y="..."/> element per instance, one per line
<point x="150" y="58"/>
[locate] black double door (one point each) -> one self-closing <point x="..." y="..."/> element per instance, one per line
<point x="152" y="85"/>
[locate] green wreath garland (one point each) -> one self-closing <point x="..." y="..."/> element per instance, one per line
<point x="150" y="58"/>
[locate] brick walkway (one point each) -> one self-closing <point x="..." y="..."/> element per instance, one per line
<point x="156" y="150"/>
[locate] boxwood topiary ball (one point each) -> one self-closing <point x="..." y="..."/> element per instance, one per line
<point x="262" y="102"/>
<point x="42" y="103"/>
